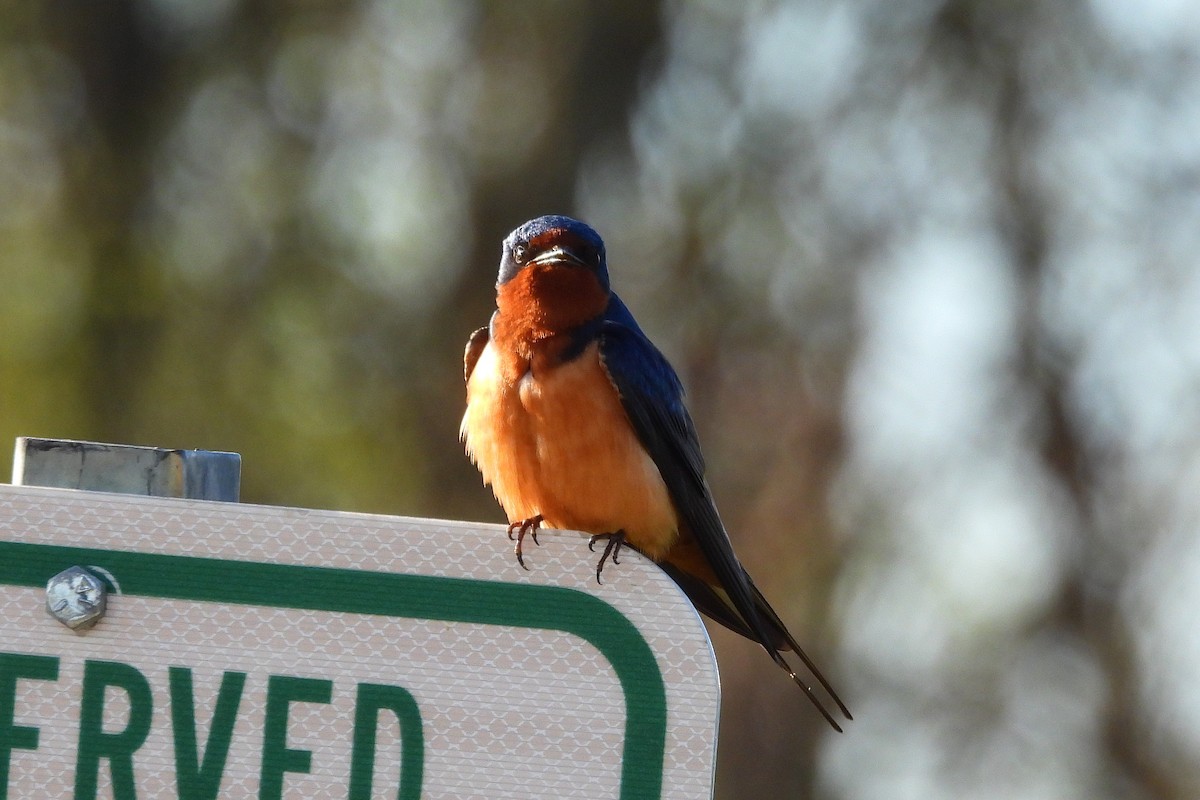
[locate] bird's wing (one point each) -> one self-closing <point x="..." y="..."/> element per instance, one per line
<point x="475" y="345"/>
<point x="652" y="396"/>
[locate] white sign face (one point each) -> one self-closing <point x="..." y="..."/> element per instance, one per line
<point x="251" y="651"/>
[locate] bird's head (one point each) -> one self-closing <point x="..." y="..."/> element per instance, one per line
<point x="553" y="275"/>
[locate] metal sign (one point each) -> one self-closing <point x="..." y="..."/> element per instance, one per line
<point x="251" y="651"/>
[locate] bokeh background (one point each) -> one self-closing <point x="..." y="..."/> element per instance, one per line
<point x="928" y="270"/>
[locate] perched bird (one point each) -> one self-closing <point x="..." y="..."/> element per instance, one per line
<point x="577" y="422"/>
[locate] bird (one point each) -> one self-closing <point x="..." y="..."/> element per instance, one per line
<point x="577" y="422"/>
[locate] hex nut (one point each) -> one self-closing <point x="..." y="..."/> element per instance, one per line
<point x="76" y="598"/>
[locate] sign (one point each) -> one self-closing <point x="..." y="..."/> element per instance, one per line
<point x="250" y="651"/>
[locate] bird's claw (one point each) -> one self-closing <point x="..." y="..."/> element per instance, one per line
<point x="615" y="541"/>
<point x="522" y="528"/>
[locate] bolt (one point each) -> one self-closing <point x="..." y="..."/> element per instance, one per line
<point x="76" y="598"/>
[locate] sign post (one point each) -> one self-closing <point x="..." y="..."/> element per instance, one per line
<point x="254" y="651"/>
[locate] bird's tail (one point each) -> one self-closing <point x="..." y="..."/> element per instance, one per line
<point x="716" y="604"/>
<point x="785" y="642"/>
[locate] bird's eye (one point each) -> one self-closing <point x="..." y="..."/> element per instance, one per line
<point x="519" y="252"/>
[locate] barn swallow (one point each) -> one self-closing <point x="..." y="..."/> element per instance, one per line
<point x="577" y="422"/>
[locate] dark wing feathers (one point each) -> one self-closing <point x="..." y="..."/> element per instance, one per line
<point x="652" y="396"/>
<point x="708" y="600"/>
<point x="475" y="345"/>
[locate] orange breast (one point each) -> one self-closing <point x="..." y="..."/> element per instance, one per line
<point x="559" y="444"/>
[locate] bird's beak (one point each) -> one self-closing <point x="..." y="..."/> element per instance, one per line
<point x="559" y="255"/>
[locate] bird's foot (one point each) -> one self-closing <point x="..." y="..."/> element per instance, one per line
<point x="522" y="528"/>
<point x="616" y="540"/>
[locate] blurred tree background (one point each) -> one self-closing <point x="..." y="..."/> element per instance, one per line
<point x="928" y="269"/>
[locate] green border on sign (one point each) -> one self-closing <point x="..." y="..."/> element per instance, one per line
<point x="394" y="595"/>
